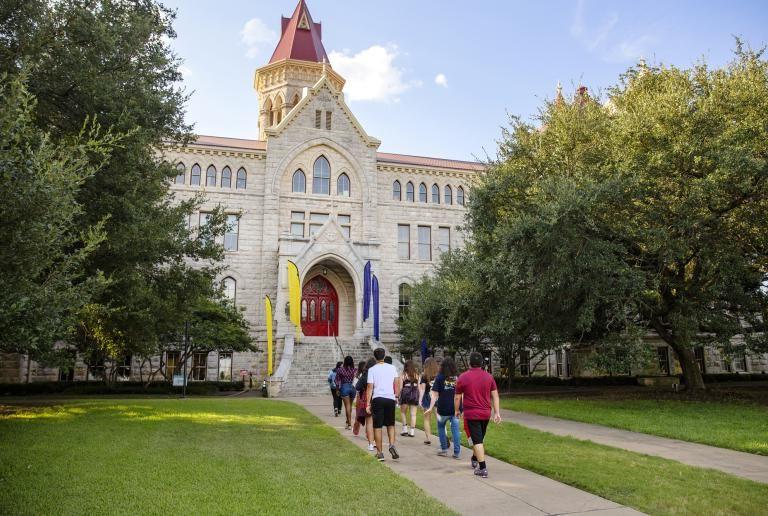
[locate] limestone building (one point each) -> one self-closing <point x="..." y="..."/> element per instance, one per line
<point x="314" y="189"/>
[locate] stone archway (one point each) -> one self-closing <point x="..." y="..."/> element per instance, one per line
<point x="341" y="282"/>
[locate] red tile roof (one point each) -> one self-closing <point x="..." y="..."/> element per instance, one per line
<point x="421" y="161"/>
<point x="381" y="157"/>
<point x="301" y="38"/>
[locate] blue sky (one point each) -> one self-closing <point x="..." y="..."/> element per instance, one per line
<point x="437" y="77"/>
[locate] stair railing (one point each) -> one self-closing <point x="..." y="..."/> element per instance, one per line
<point x="337" y="343"/>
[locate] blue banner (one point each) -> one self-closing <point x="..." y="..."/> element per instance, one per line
<point x="367" y="291"/>
<point x="375" y="289"/>
<point x="424" y="351"/>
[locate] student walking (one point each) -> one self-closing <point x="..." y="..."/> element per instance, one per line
<point x="358" y="374"/>
<point x="334" y="390"/>
<point x="428" y="375"/>
<point x="409" y="397"/>
<point x="362" y="417"/>
<point x="443" y="396"/>
<point x="476" y="389"/>
<point x="381" y="393"/>
<point x="345" y="376"/>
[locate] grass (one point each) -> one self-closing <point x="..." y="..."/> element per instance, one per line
<point x="737" y="426"/>
<point x="203" y="456"/>
<point x="649" y="484"/>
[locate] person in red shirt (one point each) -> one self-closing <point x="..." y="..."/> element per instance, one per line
<point x="476" y="390"/>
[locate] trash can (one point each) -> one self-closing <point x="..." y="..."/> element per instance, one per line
<point x="264" y="392"/>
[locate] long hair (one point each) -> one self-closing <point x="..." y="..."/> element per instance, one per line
<point x="349" y="362"/>
<point x="430" y="369"/>
<point x="448" y="367"/>
<point x="360" y="367"/>
<point x="409" y="371"/>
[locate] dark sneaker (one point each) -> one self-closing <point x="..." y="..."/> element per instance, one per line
<point x="393" y="452"/>
<point x="380" y="457"/>
<point x="456" y="456"/>
<point x="443" y="453"/>
<point x="481" y="472"/>
<point x="475" y="464"/>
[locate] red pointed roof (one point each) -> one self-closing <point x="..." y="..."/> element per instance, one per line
<point x="300" y="38"/>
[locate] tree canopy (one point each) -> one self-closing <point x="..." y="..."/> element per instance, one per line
<point x="109" y="61"/>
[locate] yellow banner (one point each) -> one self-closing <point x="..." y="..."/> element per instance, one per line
<point x="294" y="296"/>
<point x="268" y="312"/>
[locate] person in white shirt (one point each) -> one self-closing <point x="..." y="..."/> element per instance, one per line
<point x="382" y="392"/>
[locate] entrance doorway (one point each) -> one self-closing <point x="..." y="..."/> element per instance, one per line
<point x="319" y="308"/>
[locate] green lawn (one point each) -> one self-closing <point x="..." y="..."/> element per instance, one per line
<point x="649" y="484"/>
<point x="201" y="456"/>
<point x="737" y="426"/>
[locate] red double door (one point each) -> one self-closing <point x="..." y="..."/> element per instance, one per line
<point x="319" y="308"/>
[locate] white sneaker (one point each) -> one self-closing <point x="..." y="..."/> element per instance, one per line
<point x="371" y="447"/>
<point x="412" y="433"/>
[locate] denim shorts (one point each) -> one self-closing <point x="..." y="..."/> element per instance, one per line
<point x="347" y="390"/>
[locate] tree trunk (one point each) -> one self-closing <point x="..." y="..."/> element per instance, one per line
<point x="694" y="381"/>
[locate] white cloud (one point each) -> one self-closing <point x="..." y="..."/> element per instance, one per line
<point x="600" y="37"/>
<point x="371" y="74"/>
<point x="255" y="35"/>
<point x="441" y="80"/>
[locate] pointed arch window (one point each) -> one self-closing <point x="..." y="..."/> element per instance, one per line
<point x="448" y="195"/>
<point x="226" y="177"/>
<point x="180" y="171"/>
<point x="460" y="196"/>
<point x="210" y="176"/>
<point x="409" y="191"/>
<point x="303" y="309"/>
<point x="343" y="186"/>
<point x="242" y="176"/>
<point x="321" y="176"/>
<point x="194" y="178"/>
<point x="397" y="191"/>
<point x="299" y="182"/>
<point x="230" y="288"/>
<point x="435" y="194"/>
<point x="312" y="310"/>
<point x="422" y="192"/>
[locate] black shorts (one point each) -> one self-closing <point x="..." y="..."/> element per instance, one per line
<point x="477" y="429"/>
<point x="383" y="412"/>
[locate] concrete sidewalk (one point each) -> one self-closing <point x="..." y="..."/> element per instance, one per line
<point x="508" y="490"/>
<point x="740" y="464"/>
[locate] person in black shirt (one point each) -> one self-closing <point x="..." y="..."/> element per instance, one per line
<point x="443" y="393"/>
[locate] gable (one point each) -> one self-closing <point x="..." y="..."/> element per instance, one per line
<point x="323" y="97"/>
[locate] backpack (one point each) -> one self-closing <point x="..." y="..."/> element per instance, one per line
<point x="332" y="378"/>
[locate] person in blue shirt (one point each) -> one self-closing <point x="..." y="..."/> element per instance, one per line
<point x="335" y="390"/>
<point x="442" y="398"/>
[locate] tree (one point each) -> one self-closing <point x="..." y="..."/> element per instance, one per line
<point x="643" y="213"/>
<point x="43" y="250"/>
<point x="110" y="60"/>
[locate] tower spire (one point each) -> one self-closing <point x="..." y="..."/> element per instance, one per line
<point x="301" y="38"/>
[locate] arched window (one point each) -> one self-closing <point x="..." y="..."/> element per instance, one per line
<point x="303" y="309"/>
<point x="321" y="176"/>
<point x="210" y="176"/>
<point x="422" y="192"/>
<point x="296" y="99"/>
<point x="278" y="110"/>
<point x="230" y="288"/>
<point x="435" y="194"/>
<point x="460" y="196"/>
<point x="270" y="114"/>
<point x="448" y="195"/>
<point x="180" y="170"/>
<point x="194" y="178"/>
<point x="226" y="177"/>
<point x="312" y="312"/>
<point x="342" y="185"/>
<point x="403" y="300"/>
<point x="241" y="177"/>
<point x="323" y="310"/>
<point x="396" y="191"/>
<point x="409" y="191"/>
<point x="299" y="182"/>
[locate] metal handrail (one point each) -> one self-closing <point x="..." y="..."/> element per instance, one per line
<point x="337" y="343"/>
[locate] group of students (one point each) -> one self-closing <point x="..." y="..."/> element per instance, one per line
<point x="438" y="389"/>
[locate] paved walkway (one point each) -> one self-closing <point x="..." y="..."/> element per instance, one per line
<point x="740" y="464"/>
<point x="508" y="490"/>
